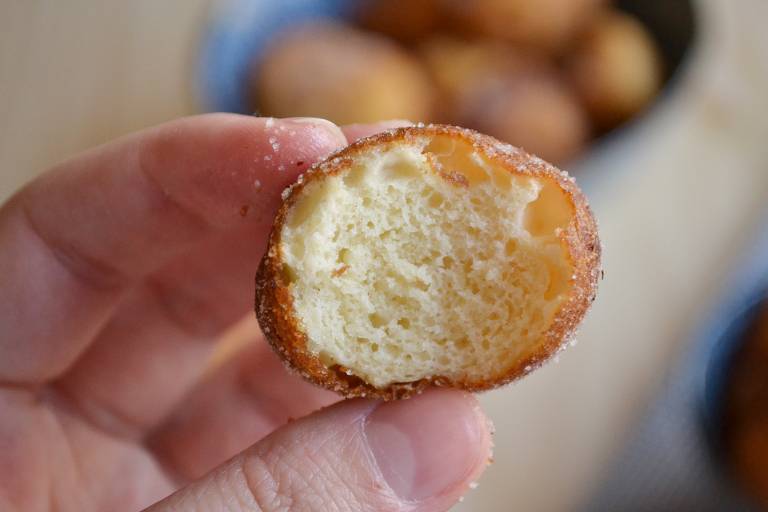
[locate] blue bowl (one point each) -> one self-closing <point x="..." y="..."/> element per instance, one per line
<point x="237" y="34"/>
<point x="720" y="340"/>
<point x="240" y="29"/>
<point x="719" y="359"/>
<point x="675" y="458"/>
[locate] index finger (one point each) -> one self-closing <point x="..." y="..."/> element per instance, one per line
<point x="78" y="237"/>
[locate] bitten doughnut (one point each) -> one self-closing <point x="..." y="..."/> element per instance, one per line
<point x="427" y="255"/>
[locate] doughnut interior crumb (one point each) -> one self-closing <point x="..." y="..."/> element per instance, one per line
<point x="426" y="258"/>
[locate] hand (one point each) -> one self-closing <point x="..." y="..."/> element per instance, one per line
<point x="119" y="269"/>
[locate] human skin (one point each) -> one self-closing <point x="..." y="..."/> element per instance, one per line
<point x="120" y="269"/>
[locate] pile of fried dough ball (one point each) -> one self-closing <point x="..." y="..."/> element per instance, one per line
<point x="745" y="412"/>
<point x="545" y="75"/>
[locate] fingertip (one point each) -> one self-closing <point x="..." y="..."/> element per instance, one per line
<point x="323" y="131"/>
<point x="224" y="165"/>
<point x="430" y="448"/>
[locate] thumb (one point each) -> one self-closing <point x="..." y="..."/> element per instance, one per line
<point x="413" y="455"/>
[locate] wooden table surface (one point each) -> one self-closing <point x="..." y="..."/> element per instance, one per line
<point x="685" y="192"/>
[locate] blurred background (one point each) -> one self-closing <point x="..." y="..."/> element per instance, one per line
<point x="657" y="107"/>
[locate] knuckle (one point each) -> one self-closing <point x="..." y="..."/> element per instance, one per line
<point x="191" y="313"/>
<point x="266" y="486"/>
<point x="279" y="482"/>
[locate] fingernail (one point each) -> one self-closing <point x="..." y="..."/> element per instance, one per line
<point x="427" y="445"/>
<point x="315" y="121"/>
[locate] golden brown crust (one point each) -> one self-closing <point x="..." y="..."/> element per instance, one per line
<point x="274" y="308"/>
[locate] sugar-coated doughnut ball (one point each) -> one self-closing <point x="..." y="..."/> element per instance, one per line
<point x="404" y="20"/>
<point x="543" y="24"/>
<point x="461" y="67"/>
<point x="535" y="110"/>
<point x="615" y="68"/>
<point x="342" y="74"/>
